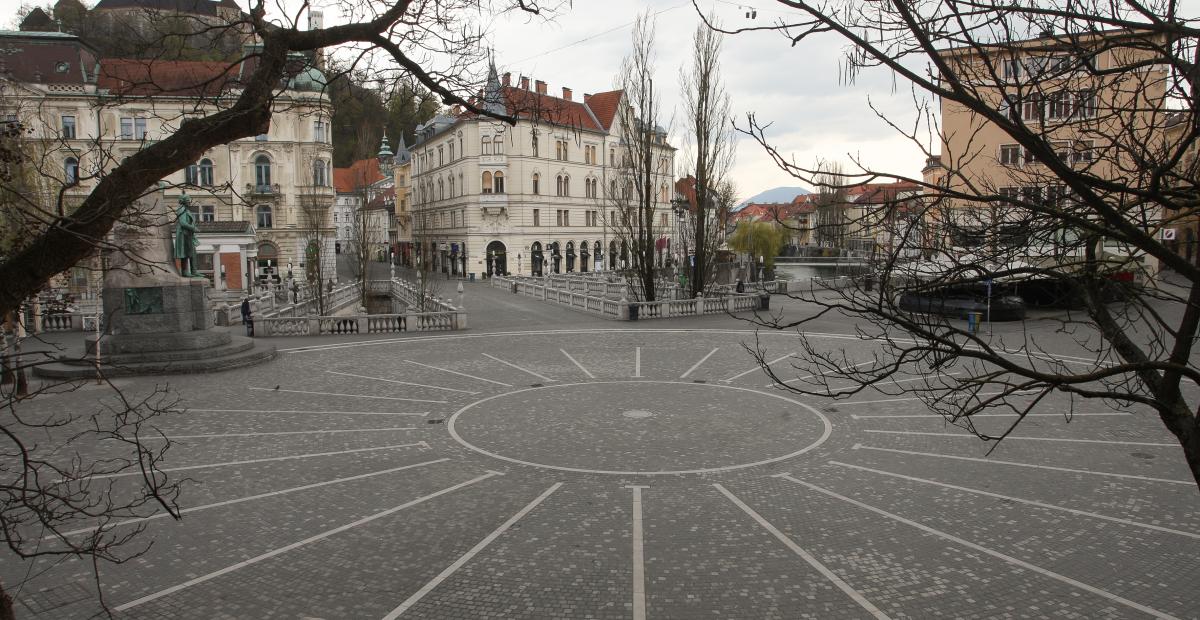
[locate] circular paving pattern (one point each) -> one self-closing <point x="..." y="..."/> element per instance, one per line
<point x="627" y="474"/>
<point x="693" y="428"/>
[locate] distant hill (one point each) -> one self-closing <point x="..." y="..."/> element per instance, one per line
<point x="778" y="194"/>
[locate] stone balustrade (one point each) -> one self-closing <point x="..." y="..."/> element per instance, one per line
<point x="583" y="295"/>
<point x="361" y="324"/>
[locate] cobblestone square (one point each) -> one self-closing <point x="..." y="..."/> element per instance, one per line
<point x="567" y="467"/>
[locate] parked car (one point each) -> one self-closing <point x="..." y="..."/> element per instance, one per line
<point x="958" y="305"/>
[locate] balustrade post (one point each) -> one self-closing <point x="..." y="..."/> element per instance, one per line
<point x="314" y="326"/>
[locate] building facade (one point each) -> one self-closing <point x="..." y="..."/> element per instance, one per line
<point x="272" y="193"/>
<point x="538" y="197"/>
<point x="1088" y="97"/>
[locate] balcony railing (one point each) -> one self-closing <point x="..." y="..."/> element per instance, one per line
<point x="262" y="190"/>
<point x="493" y="160"/>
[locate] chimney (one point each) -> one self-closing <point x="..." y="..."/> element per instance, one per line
<point x="506" y="79"/>
<point x="540" y="86"/>
<point x="524" y="83"/>
<point x="566" y="93"/>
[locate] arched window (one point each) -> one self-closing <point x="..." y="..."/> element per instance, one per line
<point x="451" y="150"/>
<point x="319" y="178"/>
<point x="263" y="215"/>
<point x="485" y="146"/>
<point x="612" y="189"/>
<point x="498" y="145"/>
<point x="566" y="191"/>
<point x="441" y="189"/>
<point x="558" y="185"/>
<point x="206" y="173"/>
<point x="262" y="171"/>
<point x="536" y="182"/>
<point x="71" y="170"/>
<point x="460" y="146"/>
<point x="498" y="182"/>
<point x="452" y="176"/>
<point x="191" y="174"/>
<point x="486" y="186"/>
<point x="662" y="193"/>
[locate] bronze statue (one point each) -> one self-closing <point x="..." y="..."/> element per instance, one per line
<point x="185" y="238"/>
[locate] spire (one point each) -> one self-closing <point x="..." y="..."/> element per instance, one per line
<point x="384" y="149"/>
<point x="385" y="157"/>
<point x="493" y="98"/>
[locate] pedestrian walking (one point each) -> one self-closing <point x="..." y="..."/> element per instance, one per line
<point x="247" y="320"/>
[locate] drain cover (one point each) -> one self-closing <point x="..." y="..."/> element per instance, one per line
<point x="435" y="421"/>
<point x="637" y="413"/>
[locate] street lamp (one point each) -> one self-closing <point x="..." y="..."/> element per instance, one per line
<point x="519" y="269"/>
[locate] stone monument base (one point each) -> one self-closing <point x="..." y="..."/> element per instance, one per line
<point x="163" y="329"/>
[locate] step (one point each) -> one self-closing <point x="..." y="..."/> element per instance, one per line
<point x="203" y="362"/>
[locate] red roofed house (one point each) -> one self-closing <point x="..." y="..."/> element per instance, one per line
<point x="530" y="198"/>
<point x="798" y="217"/>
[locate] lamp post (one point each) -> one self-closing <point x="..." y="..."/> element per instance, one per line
<point x="391" y="265"/>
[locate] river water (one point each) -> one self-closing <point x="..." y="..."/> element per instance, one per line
<point x="785" y="271"/>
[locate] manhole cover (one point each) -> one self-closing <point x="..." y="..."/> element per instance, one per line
<point x="637" y="413"/>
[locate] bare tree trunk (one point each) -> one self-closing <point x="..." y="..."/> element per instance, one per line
<point x="6" y="605"/>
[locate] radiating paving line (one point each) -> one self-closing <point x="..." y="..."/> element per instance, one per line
<point x="804" y="555"/>
<point x="266" y="460"/>
<point x="637" y="362"/>
<point x="821" y="374"/>
<point x="411" y="400"/>
<point x="1030" y="502"/>
<point x="944" y="374"/>
<point x="525" y="370"/>
<point x="576" y="362"/>
<point x="697" y="364"/>
<point x="933" y="415"/>
<point x="432" y="387"/>
<point x="461" y="374"/>
<point x="859" y="446"/>
<point x="897" y="400"/>
<point x="1016" y="438"/>
<point x="311" y="539"/>
<point x="996" y="554"/>
<point x="770" y="363"/>
<point x="466" y="557"/>
<point x="891" y="382"/>
<point x="230" y="502"/>
<point x="338" y="430"/>
<point x="639" y="555"/>
<point x="419" y="414"/>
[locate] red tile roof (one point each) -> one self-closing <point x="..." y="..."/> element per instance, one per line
<point x="773" y="211"/>
<point x="166" y="77"/>
<point x="360" y="174"/>
<point x="604" y="106"/>
<point x="595" y="113"/>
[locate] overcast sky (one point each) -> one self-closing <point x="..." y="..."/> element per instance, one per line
<point x="797" y="90"/>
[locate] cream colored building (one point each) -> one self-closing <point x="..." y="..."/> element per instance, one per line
<point x="87" y="114"/>
<point x="1086" y="116"/>
<point x="531" y="198"/>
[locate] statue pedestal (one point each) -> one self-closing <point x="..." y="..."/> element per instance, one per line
<point x="155" y="320"/>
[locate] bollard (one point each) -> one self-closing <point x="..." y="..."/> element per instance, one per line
<point x="973" y="322"/>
